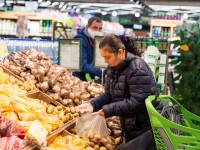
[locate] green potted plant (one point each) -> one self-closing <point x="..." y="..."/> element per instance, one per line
<point x="187" y="66"/>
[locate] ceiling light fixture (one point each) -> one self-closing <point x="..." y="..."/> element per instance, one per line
<point x="64" y="7"/>
<point x="74" y="7"/>
<point x="69" y="7"/>
<point x="114" y="13"/>
<point x="137" y="14"/>
<point x="47" y="3"/>
<point x="137" y="2"/>
<point x="185" y="16"/>
<point x="143" y="5"/>
<point x="61" y="4"/>
<point x="55" y="3"/>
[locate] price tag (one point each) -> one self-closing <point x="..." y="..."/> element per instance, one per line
<point x="98" y="59"/>
<point x="3" y="50"/>
<point x="69" y="54"/>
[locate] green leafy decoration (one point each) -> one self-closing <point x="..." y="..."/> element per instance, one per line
<point x="187" y="66"/>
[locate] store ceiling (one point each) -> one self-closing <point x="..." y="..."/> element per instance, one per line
<point x="122" y="7"/>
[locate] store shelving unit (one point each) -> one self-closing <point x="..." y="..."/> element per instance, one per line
<point x="11" y="18"/>
<point x="163" y="28"/>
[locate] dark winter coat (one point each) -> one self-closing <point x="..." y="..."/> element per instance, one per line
<point x="87" y="56"/>
<point x="127" y="87"/>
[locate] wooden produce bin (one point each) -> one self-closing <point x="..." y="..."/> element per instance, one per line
<point x="7" y="71"/>
<point x="62" y="132"/>
<point x="44" y="97"/>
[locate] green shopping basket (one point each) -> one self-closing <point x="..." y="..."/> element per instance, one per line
<point x="178" y="130"/>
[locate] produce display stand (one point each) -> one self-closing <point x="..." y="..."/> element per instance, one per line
<point x="37" y="94"/>
<point x="179" y="129"/>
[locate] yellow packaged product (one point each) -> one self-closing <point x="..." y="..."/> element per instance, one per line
<point x="67" y="142"/>
<point x="5" y="105"/>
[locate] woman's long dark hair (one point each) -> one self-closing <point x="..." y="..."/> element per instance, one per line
<point x="113" y="43"/>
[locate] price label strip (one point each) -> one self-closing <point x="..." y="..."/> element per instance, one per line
<point x="69" y="54"/>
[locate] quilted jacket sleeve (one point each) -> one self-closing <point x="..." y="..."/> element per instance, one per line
<point x="140" y="83"/>
<point x="105" y="98"/>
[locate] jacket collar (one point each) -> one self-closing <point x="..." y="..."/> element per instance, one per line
<point x="122" y="65"/>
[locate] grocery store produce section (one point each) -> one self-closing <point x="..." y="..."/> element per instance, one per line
<point x="38" y="95"/>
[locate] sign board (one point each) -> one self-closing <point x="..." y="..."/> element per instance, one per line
<point x="69" y="54"/>
<point x="98" y="59"/>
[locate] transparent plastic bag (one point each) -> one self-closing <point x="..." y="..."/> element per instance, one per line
<point x="91" y="124"/>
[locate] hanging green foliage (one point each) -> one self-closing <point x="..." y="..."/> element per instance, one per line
<point x="187" y="66"/>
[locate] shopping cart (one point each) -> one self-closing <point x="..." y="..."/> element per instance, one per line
<point x="174" y="128"/>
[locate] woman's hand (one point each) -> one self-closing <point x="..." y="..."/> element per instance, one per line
<point x="101" y="113"/>
<point x="85" y="108"/>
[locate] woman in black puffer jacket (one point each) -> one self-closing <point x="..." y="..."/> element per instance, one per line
<point x="129" y="82"/>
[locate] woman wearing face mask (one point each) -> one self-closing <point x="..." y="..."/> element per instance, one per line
<point x="129" y="82"/>
<point x="87" y="35"/>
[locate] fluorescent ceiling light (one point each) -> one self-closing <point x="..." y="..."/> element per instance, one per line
<point x="61" y="4"/>
<point x="55" y="3"/>
<point x="20" y="2"/>
<point x="92" y="11"/>
<point x="9" y="2"/>
<point x="126" y="7"/>
<point x="64" y="7"/>
<point x="85" y="5"/>
<point x="74" y="7"/>
<point x="1" y="4"/>
<point x="69" y="7"/>
<point x="47" y="3"/>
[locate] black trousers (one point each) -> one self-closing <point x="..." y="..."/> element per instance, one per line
<point x="144" y="141"/>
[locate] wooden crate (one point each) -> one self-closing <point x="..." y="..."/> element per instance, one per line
<point x="7" y="71"/>
<point x="52" y="138"/>
<point x="44" y="97"/>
